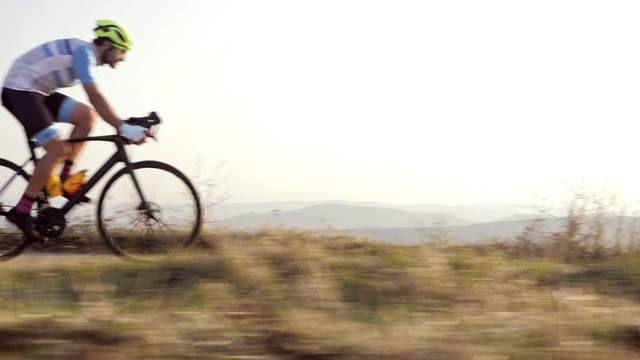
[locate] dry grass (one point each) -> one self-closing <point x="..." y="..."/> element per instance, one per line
<point x="300" y="295"/>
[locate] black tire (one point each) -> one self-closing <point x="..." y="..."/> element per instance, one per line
<point x="12" y="240"/>
<point x="170" y="223"/>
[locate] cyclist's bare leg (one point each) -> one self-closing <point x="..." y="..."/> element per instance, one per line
<point x="83" y="118"/>
<point x="57" y="150"/>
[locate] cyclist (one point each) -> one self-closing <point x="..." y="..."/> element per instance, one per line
<point x="30" y="94"/>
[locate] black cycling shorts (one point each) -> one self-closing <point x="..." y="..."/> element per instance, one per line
<point x="37" y="112"/>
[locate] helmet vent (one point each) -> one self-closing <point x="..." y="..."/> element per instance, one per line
<point x="116" y="33"/>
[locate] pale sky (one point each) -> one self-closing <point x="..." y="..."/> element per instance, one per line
<point x="449" y="102"/>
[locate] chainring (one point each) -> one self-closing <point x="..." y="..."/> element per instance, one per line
<point x="51" y="223"/>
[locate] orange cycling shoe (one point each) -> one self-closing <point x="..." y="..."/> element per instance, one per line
<point x="74" y="183"/>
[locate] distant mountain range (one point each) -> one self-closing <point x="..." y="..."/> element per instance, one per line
<point x="385" y="222"/>
<point x="405" y="223"/>
<point x="340" y="216"/>
<point x="469" y="213"/>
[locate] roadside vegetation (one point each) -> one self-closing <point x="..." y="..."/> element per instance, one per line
<point x="282" y="293"/>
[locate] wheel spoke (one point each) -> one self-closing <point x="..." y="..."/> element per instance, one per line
<point x="166" y="221"/>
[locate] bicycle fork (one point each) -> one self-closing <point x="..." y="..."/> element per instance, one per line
<point x="144" y="205"/>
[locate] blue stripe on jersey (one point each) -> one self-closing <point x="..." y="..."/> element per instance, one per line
<point x="48" y="52"/>
<point x="72" y="73"/>
<point x="60" y="46"/>
<point x="67" y="46"/>
<point x="56" y="77"/>
<point x="64" y="48"/>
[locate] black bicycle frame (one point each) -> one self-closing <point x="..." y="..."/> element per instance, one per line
<point x="119" y="156"/>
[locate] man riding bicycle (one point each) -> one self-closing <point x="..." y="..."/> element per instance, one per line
<point x="30" y="94"/>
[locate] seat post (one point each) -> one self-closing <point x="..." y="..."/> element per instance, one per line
<point x="32" y="149"/>
<point x="43" y="199"/>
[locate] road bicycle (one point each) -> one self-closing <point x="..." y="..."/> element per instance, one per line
<point x="147" y="210"/>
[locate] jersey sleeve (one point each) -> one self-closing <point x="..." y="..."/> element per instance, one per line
<point x="85" y="62"/>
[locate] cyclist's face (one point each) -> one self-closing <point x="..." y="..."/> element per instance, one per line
<point x="113" y="57"/>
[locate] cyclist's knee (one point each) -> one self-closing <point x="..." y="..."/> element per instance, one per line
<point x="92" y="117"/>
<point x="84" y="116"/>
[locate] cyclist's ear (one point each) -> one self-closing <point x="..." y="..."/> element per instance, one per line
<point x="105" y="46"/>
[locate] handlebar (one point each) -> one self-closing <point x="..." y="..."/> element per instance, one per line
<point x="147" y="121"/>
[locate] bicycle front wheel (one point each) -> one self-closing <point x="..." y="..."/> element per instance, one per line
<point x="13" y="182"/>
<point x="156" y="222"/>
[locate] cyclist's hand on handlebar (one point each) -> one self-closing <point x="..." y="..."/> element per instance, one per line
<point x="135" y="133"/>
<point x="137" y="129"/>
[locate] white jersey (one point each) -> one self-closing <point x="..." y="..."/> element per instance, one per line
<point x="53" y="65"/>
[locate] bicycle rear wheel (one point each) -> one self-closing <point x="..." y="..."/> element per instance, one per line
<point x="13" y="182"/>
<point x="167" y="221"/>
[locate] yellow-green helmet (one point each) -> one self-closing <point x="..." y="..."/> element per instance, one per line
<point x="119" y="36"/>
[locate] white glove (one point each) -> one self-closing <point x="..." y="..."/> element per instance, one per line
<point x="132" y="132"/>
